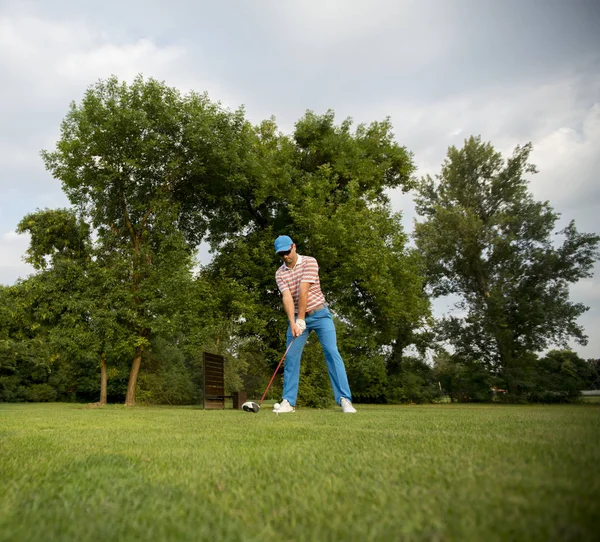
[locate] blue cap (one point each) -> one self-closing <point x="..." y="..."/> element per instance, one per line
<point x="282" y="243"/>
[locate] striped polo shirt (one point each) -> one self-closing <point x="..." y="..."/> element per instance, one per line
<point x="305" y="270"/>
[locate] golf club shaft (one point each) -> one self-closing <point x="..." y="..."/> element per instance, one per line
<point x="273" y="377"/>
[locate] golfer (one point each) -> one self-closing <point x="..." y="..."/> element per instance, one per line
<point x="306" y="309"/>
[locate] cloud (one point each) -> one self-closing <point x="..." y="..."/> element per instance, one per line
<point x="341" y="32"/>
<point x="441" y="70"/>
<point x="12" y="249"/>
<point x="48" y="63"/>
<point x="569" y="159"/>
<point x="125" y="61"/>
<point x="561" y="120"/>
<point x="69" y="55"/>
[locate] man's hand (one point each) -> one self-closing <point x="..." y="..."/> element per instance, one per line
<point x="298" y="327"/>
<point x="297" y="330"/>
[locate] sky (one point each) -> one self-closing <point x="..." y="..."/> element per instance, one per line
<point x="442" y="70"/>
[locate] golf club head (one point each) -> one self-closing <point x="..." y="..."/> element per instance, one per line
<point x="251" y="406"/>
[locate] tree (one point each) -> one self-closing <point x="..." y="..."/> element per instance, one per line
<point x="326" y="186"/>
<point x="154" y="172"/>
<point x="19" y="366"/>
<point x="593" y="382"/>
<point x="415" y="382"/>
<point x="485" y="239"/>
<point x="560" y="377"/>
<point x="464" y="380"/>
<point x="143" y="165"/>
<point x="73" y="299"/>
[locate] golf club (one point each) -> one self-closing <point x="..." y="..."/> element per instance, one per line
<point x="251" y="406"/>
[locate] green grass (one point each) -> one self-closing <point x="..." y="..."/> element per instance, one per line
<point x="440" y="472"/>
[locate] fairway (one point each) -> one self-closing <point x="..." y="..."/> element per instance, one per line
<point x="445" y="472"/>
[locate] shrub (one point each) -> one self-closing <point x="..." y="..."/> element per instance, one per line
<point x="165" y="378"/>
<point x="41" y="393"/>
<point x="416" y="382"/>
<point x="315" y="387"/>
<point x="11" y="390"/>
<point x="465" y="381"/>
<point x="560" y="377"/>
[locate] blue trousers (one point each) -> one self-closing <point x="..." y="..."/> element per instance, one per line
<point x="321" y="323"/>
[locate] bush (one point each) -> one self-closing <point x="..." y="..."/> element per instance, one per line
<point x="315" y="387"/>
<point x="170" y="385"/>
<point x="593" y="381"/>
<point x="11" y="390"/>
<point x="560" y="377"/>
<point x="464" y="381"/>
<point x="368" y="378"/>
<point x="415" y="382"/>
<point x="41" y="393"/>
<point x="165" y="379"/>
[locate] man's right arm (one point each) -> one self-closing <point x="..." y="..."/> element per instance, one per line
<point x="288" y="307"/>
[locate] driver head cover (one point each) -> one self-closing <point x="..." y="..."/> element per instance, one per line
<point x="250" y="406"/>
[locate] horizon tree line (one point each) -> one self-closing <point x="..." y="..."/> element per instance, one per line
<point x="118" y="304"/>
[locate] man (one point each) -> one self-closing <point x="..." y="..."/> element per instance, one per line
<point x="305" y="307"/>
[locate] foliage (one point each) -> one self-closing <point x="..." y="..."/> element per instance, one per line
<point x="41" y="393"/>
<point x="415" y="382"/>
<point x="593" y="382"/>
<point x="464" y="380"/>
<point x="75" y="300"/>
<point x="150" y="173"/>
<point x="154" y="172"/>
<point x="315" y="386"/>
<point x="485" y="239"/>
<point x="25" y="357"/>
<point x="365" y="361"/>
<point x="560" y="377"/>
<point x="141" y="163"/>
<point x="57" y="236"/>
<point x="325" y="186"/>
<point x="166" y="379"/>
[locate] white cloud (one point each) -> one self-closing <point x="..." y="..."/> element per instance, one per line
<point x="12" y="250"/>
<point x="46" y="63"/>
<point x="587" y="291"/>
<point x="562" y="123"/>
<point x="13" y="155"/>
<point x="71" y="53"/>
<point x="125" y="61"/>
<point x="569" y="162"/>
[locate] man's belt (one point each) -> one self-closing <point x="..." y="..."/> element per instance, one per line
<point x="316" y="309"/>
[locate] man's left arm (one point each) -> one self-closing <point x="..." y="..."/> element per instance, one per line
<point x="309" y="277"/>
<point x="302" y="299"/>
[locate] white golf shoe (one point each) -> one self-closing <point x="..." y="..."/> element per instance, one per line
<point x="285" y="407"/>
<point x="347" y="407"/>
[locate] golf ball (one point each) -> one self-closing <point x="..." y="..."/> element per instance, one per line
<point x="276" y="406"/>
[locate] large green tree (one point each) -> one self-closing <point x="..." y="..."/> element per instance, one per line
<point x="142" y="164"/>
<point x="81" y="297"/>
<point x="39" y="305"/>
<point x="486" y="240"/>
<point x="326" y="185"/>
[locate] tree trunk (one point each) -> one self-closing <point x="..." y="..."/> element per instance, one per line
<point x="103" y="379"/>
<point x="135" y="369"/>
<point x="403" y="336"/>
